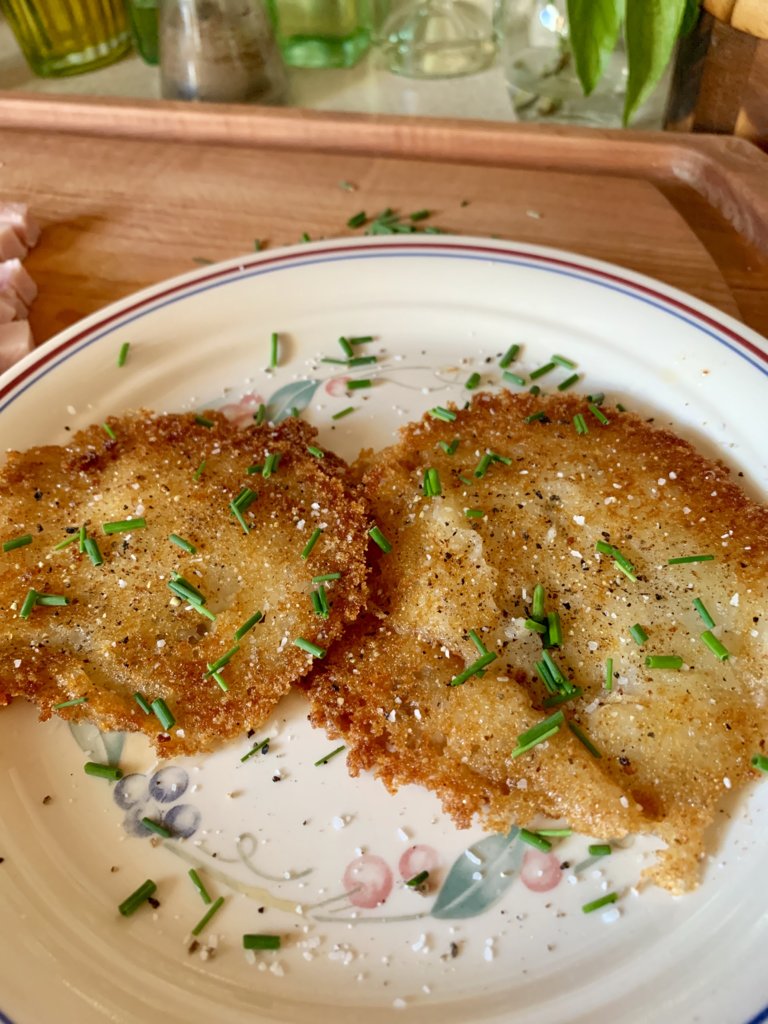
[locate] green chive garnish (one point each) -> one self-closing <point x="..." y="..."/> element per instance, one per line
<point x="357" y="385"/>
<point x="261" y="942"/>
<point x="706" y="618"/>
<point x="598" y="414"/>
<point x="536" y="627"/>
<point x="157" y="828"/>
<point x="109" y="431"/>
<point x="327" y="758"/>
<point x="81" y="535"/>
<point x="472" y="381"/>
<point x="482" y="467"/>
<point x="432" y="486"/>
<point x="474" y="669"/>
<point x="70" y="703"/>
<point x="360" y="339"/>
<point x="223" y="660"/>
<point x="509" y="356"/>
<point x="379" y="539"/>
<point x="534" y="839"/>
<point x="580" y="424"/>
<point x="582" y="736"/>
<point x="513" y="378"/>
<point x="93" y="551"/>
<point x="562" y="361"/>
<point x="236" y="511"/>
<point x="199" y="471"/>
<point x="19" y="542"/>
<point x="556" y="833"/>
<point x="346" y="348"/>
<point x="620" y="561"/>
<point x="344" y="412"/>
<point x="102" y="771"/>
<point x="597" y="399"/>
<point x="546" y="368"/>
<point x="357" y="220"/>
<point x="760" y="761"/>
<point x="420" y="215"/>
<point x="203" y="421"/>
<point x="141" y="701"/>
<point x="135" y="900"/>
<point x="124" y="525"/>
<point x="185" y="590"/>
<point x="274" y="350"/>
<point x="218" y="678"/>
<point x="213" y="909"/>
<point x="690" y="558"/>
<point x="718" y="649"/>
<point x="199" y="885"/>
<point x="65" y="543"/>
<point x="52" y="600"/>
<point x="608" y="683"/>
<point x="474" y="513"/>
<point x="534" y="390"/>
<point x="361" y="361"/>
<point x="638" y="634"/>
<point x="534" y="416"/>
<point x="309" y="647"/>
<point x="539" y="597"/>
<point x="602" y="902"/>
<point x="672" y="661"/>
<point x="163" y="714"/>
<point x="317" y="452"/>
<point x="441" y="413"/>
<point x="600" y="850"/>
<point x="28" y="604"/>
<point x="271" y="462"/>
<point x="311" y="542"/>
<point x="260" y="415"/>
<point x="249" y="624"/>
<point x="185" y="545"/>
<point x="449" y="449"/>
<point x="122" y="355"/>
<point x="327" y="578"/>
<point x="538" y="733"/>
<point x="417" y="880"/>
<point x="562" y="698"/>
<point x="555" y="632"/>
<point x="262" y="746"/>
<point x="568" y="382"/>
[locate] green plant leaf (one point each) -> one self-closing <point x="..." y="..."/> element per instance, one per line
<point x="296" y="395"/>
<point x="650" y="33"/>
<point x="593" y="29"/>
<point x="479" y="877"/>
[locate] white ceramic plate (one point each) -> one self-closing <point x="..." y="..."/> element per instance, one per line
<point x="501" y="936"/>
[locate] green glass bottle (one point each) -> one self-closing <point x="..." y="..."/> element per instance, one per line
<point x="321" y="33"/>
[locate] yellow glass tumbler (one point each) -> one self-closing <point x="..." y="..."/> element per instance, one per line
<point x="68" y="37"/>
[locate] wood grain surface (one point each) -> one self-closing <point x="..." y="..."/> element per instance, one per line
<point x="121" y="211"/>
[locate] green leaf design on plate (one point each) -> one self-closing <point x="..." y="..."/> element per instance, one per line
<point x="479" y="877"/>
<point x="296" y="395"/>
<point x="105" y="747"/>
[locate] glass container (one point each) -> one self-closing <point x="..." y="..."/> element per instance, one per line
<point x="143" y="15"/>
<point x="61" y="38"/>
<point x="438" y="39"/>
<point x="321" y="33"/>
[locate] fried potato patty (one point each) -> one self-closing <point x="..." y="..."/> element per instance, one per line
<point x="524" y="502"/>
<point x="154" y="616"/>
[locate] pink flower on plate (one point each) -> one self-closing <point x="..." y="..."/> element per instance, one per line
<point x="417" y="859"/>
<point x="368" y="880"/>
<point x="241" y="413"/>
<point x="540" y="871"/>
<point x="337" y="386"/>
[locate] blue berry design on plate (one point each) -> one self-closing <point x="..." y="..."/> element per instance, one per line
<point x="157" y="797"/>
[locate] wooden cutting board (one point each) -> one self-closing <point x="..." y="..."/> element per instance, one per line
<point x="129" y="194"/>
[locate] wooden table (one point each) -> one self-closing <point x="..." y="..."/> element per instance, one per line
<point x="129" y="194"/>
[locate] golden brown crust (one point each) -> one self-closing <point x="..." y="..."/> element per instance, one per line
<point x="672" y="742"/>
<point x="123" y="630"/>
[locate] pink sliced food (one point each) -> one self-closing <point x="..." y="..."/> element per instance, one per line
<point x="14" y="278"/>
<point x="17" y="216"/>
<point x="11" y="245"/>
<point x="15" y="341"/>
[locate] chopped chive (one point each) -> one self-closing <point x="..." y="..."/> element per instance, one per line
<point x="305" y="237"/>
<point x="346" y="348"/>
<point x="475" y="638"/>
<point x="538" y="733"/>
<point x="320" y="602"/>
<point x="513" y="378"/>
<point x="185" y="545"/>
<point x="534" y="390"/>
<point x="256" y="470"/>
<point x="271" y="463"/>
<point x="70" y="703"/>
<point x="357" y="220"/>
<point x="638" y="634"/>
<point x="317" y="452"/>
<point x="246" y="497"/>
<point x="556" y="833"/>
<point x="124" y="525"/>
<point x="81" y="535"/>
<point x="247" y="625"/>
<point x="21" y="542"/>
<point x="420" y="215"/>
<point x="482" y="467"/>
<point x="52" y="600"/>
<point x="343" y="413"/>
<point x="261" y="942"/>
<point x="534" y="839"/>
<point x="472" y="381"/>
<point x="378" y="538"/>
<point x="199" y="885"/>
<point x="109" y="431"/>
<point x="417" y="880"/>
<point x="474" y="669"/>
<point x="236" y="511"/>
<point x="690" y="558"/>
<point x="185" y="590"/>
<point x="334" y="362"/>
<point x="539" y="597"/>
<point x="598" y="414"/>
<point x="347" y="186"/>
<point x="327" y="578"/>
<point x="262" y="746"/>
<point x="555" y="632"/>
<point x="309" y="647"/>
<point x="760" y="761"/>
<point x="433" y="488"/>
<point x="311" y="542"/>
<point x="474" y="513"/>
<point x="132" y="903"/>
<point x="327" y="758"/>
<point x="102" y="771"/>
<point x="163" y="713"/>
<point x="202" y="610"/>
<point x="706" y="618"/>
<point x="542" y="671"/>
<point x="360" y="339"/>
<point x="620" y="407"/>
<point x="274" y="350"/>
<point x="441" y="413"/>
<point x="213" y="909"/>
<point x="546" y="368"/>
<point x="582" y="736"/>
<point x="257" y="245"/>
<point x="561" y="681"/>
<point x="28" y="604"/>
<point x="620" y="561"/>
<point x="449" y="449"/>
<point x="141" y="701"/>
<point x="466" y="480"/>
<point x="600" y="850"/>
<point x="562" y="698"/>
<point x="597" y="399"/>
<point x="157" y="828"/>
<point x="93" y="551"/>
<point x="602" y="902"/>
<point x="223" y="660"/>
<point x="580" y="424"/>
<point x="199" y="471"/>
<point x="568" y="382"/>
<point x="534" y="416"/>
<point x="357" y="385"/>
<point x="218" y="678"/>
<point x="260" y="415"/>
<point x="673" y="661"/>
<point x="509" y="356"/>
<point x="65" y="543"/>
<point x="122" y="355"/>
<point x="562" y="361"/>
<point x="203" y="421"/>
<point x="608" y="681"/>
<point x="537" y="627"/>
<point x="361" y="361"/>
<point x="717" y="648"/>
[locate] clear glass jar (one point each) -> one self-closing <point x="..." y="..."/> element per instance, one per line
<point x="321" y="33"/>
<point x="59" y="39"/>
